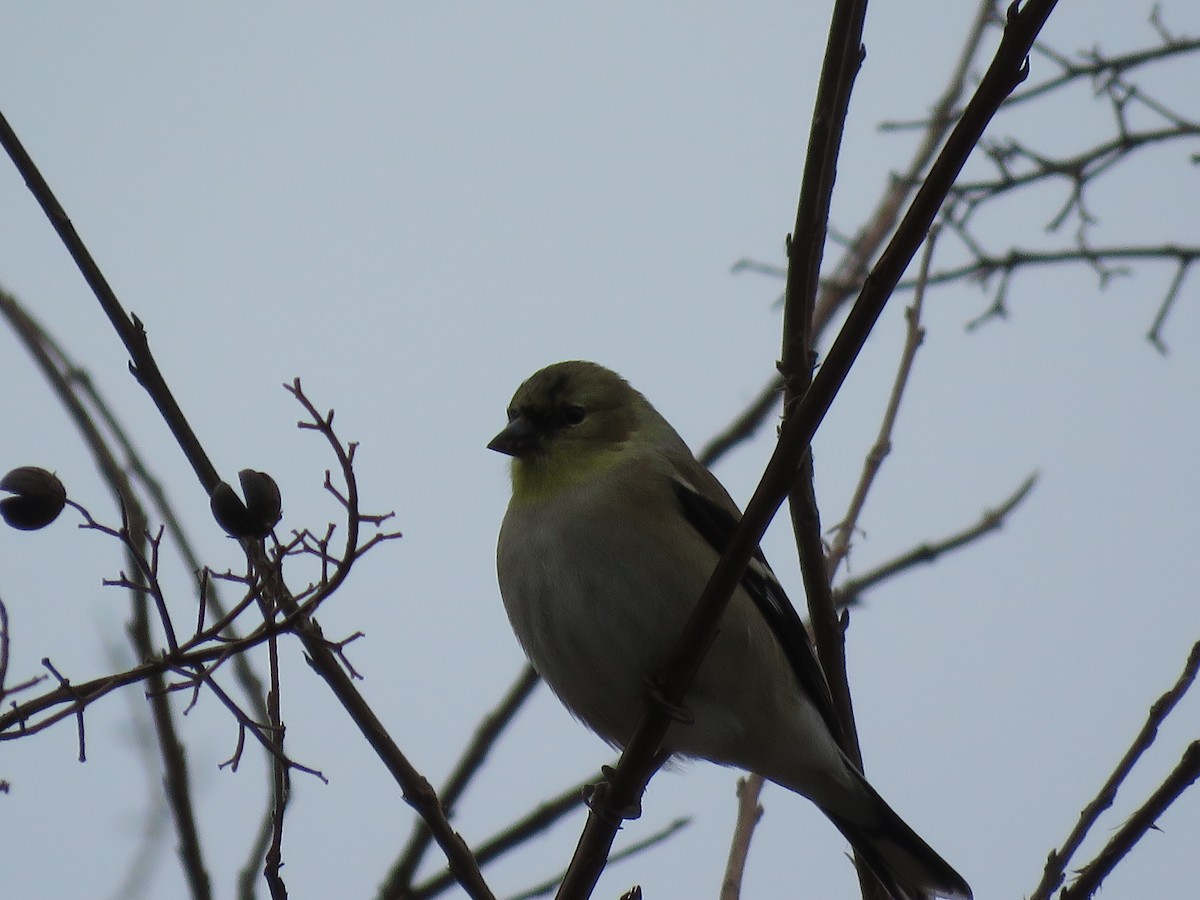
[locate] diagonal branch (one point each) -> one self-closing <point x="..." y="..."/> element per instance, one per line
<point x="844" y="530"/>
<point x="415" y="788"/>
<point x="1182" y="777"/>
<point x="1057" y="862"/>
<point x="400" y="878"/>
<point x="851" y="590"/>
<point x="641" y="757"/>
<point x="851" y="268"/>
<point x="129" y="328"/>
<point x="134" y="536"/>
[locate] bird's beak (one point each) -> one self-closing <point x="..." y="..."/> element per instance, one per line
<point x="519" y="438"/>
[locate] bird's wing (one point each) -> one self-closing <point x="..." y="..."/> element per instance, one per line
<point x="716" y="523"/>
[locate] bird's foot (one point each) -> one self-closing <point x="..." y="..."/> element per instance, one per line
<point x="596" y="797"/>
<point x="676" y="711"/>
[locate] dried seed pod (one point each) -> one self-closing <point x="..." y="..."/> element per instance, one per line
<point x="253" y="518"/>
<point x="37" y="498"/>
<point x="263" y="500"/>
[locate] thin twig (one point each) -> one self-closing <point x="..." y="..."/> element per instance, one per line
<point x="85" y="404"/>
<point x="914" y="335"/>
<point x="511" y="836"/>
<point x="1058" y="860"/>
<point x="744" y="426"/>
<point x="400" y="877"/>
<point x="749" y="812"/>
<point x="280" y="778"/>
<point x="651" y="840"/>
<point x="851" y="590"/>
<point x="134" y="537"/>
<point x="176" y="781"/>
<point x="1154" y="336"/>
<point x="984" y="265"/>
<point x="247" y="876"/>
<point x="1093" y="874"/>
<point x="415" y="788"/>
<point x="4" y="645"/>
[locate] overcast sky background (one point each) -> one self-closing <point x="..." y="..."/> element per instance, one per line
<point x="414" y="206"/>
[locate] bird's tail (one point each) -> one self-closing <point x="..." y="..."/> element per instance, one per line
<point x="906" y="866"/>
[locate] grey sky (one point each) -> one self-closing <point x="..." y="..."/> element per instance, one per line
<point x="412" y="207"/>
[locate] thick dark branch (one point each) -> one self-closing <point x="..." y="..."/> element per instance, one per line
<point x="400" y="877"/>
<point x="531" y="824"/>
<point x="129" y="328"/>
<point x="642" y="757"/>
<point x="850" y="270"/>
<point x="843" y="57"/>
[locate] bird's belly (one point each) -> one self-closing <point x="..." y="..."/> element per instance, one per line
<point x="599" y="621"/>
<point x="596" y="625"/>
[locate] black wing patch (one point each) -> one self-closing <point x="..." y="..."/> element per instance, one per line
<point x="716" y="525"/>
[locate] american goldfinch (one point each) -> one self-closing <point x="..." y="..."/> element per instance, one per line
<point x="612" y="531"/>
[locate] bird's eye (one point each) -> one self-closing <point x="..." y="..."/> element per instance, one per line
<point x="573" y="415"/>
<point x="512" y="413"/>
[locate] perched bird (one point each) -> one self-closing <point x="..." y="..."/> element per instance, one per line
<point x="611" y="534"/>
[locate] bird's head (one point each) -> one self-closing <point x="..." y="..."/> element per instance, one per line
<point x="567" y="422"/>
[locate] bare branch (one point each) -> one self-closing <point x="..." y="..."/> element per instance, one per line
<point x="843" y="57"/>
<point x="915" y="334"/>
<point x="280" y="778"/>
<point x="985" y="265"/>
<point x="1057" y="862"/>
<point x="1155" y="333"/>
<point x="849" y="272"/>
<point x="851" y="590"/>
<point x="749" y="789"/>
<point x="4" y="644"/>
<point x="129" y="328"/>
<point x="1181" y="778"/>
<point x="635" y="893"/>
<point x="486" y="734"/>
<point x="514" y="835"/>
<point x="641" y="757"/>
